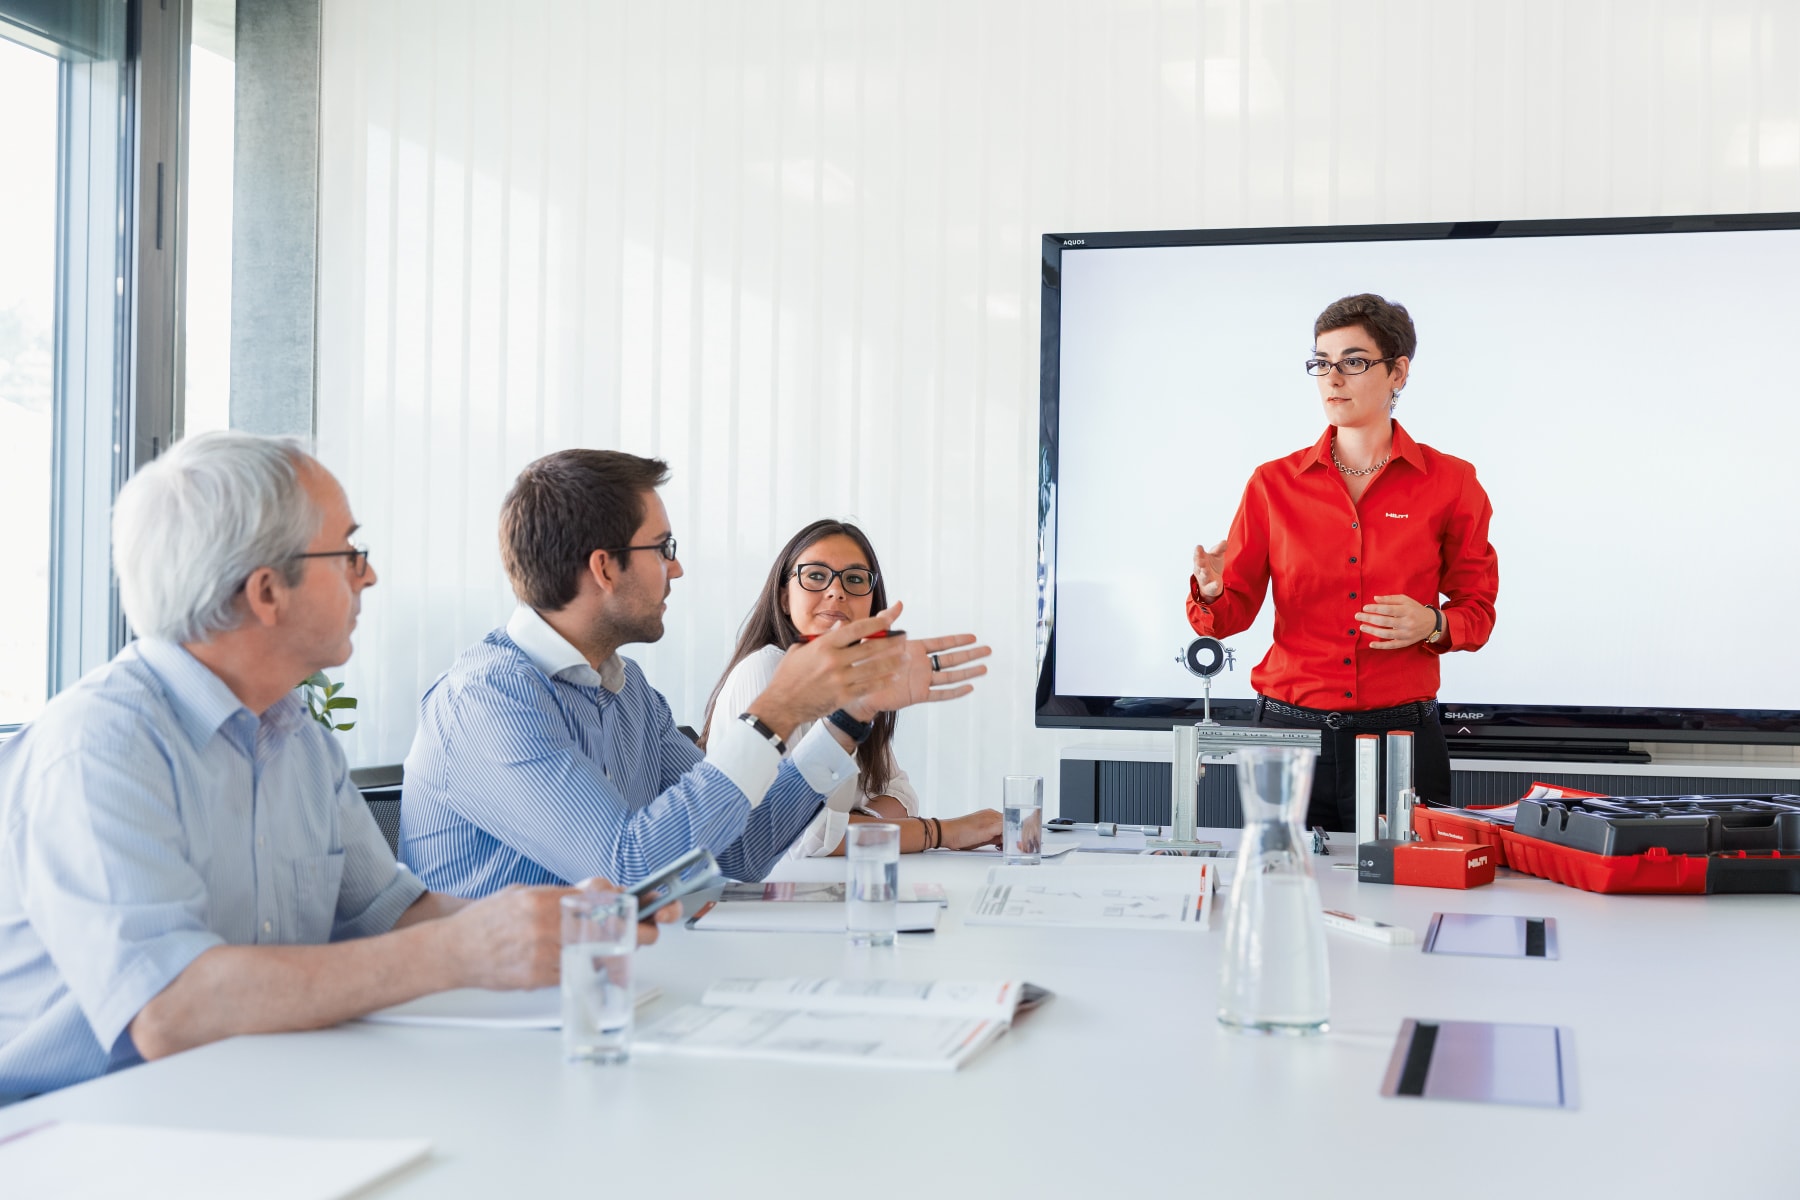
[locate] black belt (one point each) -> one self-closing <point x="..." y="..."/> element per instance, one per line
<point x="1419" y="712"/>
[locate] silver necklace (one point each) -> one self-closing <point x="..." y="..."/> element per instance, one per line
<point x="1366" y="471"/>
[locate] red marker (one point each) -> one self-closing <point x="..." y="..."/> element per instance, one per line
<point x="879" y="633"/>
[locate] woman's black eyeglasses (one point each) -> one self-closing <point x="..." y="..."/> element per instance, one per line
<point x="1353" y="365"/>
<point x="666" y="548"/>
<point x="816" y="577"/>
<point x="358" y="556"/>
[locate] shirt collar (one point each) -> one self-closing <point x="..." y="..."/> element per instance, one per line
<point x="200" y="699"/>
<point x="552" y="653"/>
<point x="1404" y="448"/>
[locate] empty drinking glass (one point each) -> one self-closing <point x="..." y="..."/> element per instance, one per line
<point x="599" y="935"/>
<point x="872" y="856"/>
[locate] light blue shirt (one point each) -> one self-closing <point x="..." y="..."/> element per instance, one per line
<point x="530" y="766"/>
<point x="147" y="817"/>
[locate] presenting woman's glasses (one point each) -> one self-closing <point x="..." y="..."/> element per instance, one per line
<point x="1351" y="365"/>
<point x="816" y="577"/>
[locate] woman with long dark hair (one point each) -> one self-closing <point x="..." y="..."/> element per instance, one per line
<point x="827" y="575"/>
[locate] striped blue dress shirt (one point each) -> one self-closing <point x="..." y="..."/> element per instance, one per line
<point x="529" y="766"/>
<point x="146" y="817"/>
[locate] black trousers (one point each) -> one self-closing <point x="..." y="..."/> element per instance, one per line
<point x="1334" y="779"/>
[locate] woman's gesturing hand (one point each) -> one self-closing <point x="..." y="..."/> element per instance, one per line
<point x="1396" y="621"/>
<point x="1209" y="569"/>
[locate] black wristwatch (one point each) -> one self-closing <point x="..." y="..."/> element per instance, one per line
<point x="857" y="731"/>
<point x="755" y="722"/>
<point x="1437" y="626"/>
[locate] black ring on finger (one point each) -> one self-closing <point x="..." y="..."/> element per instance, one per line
<point x="935" y="667"/>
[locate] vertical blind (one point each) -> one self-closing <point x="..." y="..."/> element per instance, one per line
<point x="793" y="248"/>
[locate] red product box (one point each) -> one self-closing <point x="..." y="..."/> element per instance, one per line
<point x="1425" y="864"/>
<point x="1655" y="872"/>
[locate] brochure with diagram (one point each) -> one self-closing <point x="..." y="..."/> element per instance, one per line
<point x="1175" y="895"/>
<point x="863" y="1022"/>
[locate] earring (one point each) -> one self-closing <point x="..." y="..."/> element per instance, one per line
<point x="1394" y="400"/>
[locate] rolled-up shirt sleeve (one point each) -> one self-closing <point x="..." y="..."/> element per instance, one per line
<point x="376" y="889"/>
<point x="107" y="885"/>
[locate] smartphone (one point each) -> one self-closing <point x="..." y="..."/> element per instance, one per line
<point x="1060" y="824"/>
<point x="692" y="872"/>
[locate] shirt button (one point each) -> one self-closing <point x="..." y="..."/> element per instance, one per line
<point x="1351" y="632"/>
<point x="1353" y="595"/>
<point x="1346" y="695"/>
<point x="1346" y="662"/>
<point x="1353" y="558"/>
<point x="269" y="926"/>
<point x="1353" y="524"/>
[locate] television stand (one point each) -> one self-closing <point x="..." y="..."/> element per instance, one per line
<point x="1545" y="750"/>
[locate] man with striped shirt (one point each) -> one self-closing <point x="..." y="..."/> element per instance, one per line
<point x="543" y="756"/>
<point x="182" y="854"/>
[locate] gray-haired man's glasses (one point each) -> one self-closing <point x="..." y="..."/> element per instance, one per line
<point x="358" y="556"/>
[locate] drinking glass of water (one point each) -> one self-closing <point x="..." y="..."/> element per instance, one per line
<point x="872" y="851"/>
<point x="1023" y="811"/>
<point x="599" y="935"/>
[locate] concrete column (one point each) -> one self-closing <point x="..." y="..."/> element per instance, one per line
<point x="275" y="216"/>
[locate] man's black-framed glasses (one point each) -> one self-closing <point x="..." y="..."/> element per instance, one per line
<point x="358" y="556"/>
<point x="1352" y="365"/>
<point x="666" y="548"/>
<point x="816" y="577"/>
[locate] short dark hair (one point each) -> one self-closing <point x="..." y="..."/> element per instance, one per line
<point x="565" y="506"/>
<point x="1389" y="324"/>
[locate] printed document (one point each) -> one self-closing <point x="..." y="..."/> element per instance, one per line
<point x="886" y="1023"/>
<point x="74" y="1158"/>
<point x="1173" y="894"/>
<point x="764" y="916"/>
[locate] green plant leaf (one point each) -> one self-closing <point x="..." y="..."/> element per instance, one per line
<point x="333" y="690"/>
<point x="346" y="728"/>
<point x="340" y="702"/>
<point x="316" y="679"/>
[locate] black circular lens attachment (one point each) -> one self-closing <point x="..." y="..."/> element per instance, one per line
<point x="1205" y="657"/>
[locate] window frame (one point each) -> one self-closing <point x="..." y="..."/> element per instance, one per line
<point x="116" y="338"/>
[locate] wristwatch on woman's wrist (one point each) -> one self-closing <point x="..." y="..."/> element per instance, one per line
<point x="1437" y="626"/>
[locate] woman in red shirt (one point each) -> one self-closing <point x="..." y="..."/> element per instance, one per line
<point x="1377" y="550"/>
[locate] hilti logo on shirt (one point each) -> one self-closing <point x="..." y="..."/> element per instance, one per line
<point x="1398" y="516"/>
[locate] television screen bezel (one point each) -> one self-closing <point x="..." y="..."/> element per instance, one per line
<point x="1497" y="724"/>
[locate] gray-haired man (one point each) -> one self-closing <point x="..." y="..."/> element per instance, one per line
<point x="182" y="854"/>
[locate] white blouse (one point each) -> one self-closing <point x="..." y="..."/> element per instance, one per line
<point x="745" y="683"/>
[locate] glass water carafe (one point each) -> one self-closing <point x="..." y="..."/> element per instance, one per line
<point x="1275" y="979"/>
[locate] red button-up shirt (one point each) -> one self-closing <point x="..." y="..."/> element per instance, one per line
<point x="1421" y="530"/>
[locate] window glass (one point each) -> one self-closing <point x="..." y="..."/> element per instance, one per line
<point x="28" y="137"/>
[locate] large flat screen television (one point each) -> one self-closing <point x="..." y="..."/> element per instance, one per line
<point x="1628" y="391"/>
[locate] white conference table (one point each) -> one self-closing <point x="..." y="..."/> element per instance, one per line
<point x="1686" y="1052"/>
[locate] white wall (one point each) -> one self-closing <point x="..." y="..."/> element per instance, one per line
<point x="793" y="248"/>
